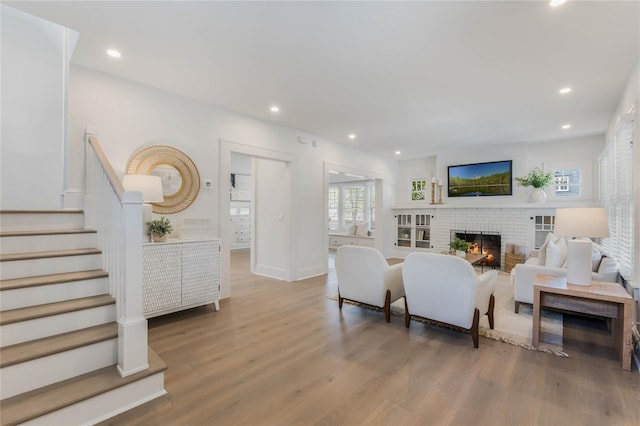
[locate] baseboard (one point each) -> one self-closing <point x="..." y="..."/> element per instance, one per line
<point x="310" y="272"/>
<point x="269" y="272"/>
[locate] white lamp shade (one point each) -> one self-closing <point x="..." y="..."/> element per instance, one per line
<point x="150" y="186"/>
<point x="581" y="222"/>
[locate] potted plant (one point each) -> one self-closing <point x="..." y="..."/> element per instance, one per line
<point x="159" y="229"/>
<point x="538" y="180"/>
<point x="460" y="246"/>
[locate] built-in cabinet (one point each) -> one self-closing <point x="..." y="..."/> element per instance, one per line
<point x="241" y="230"/>
<point x="413" y="230"/>
<point x="179" y="275"/>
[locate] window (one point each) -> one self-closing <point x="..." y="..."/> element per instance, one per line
<point x="351" y="203"/>
<point x="418" y="189"/>
<point x="353" y="206"/>
<point x="334" y="207"/>
<point x="567" y="182"/>
<point x="616" y="193"/>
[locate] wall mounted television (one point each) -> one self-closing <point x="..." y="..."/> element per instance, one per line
<point x="480" y="179"/>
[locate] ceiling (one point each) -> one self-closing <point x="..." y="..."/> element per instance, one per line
<point x="411" y="76"/>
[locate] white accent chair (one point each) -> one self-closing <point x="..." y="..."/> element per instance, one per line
<point x="364" y="276"/>
<point x="446" y="289"/>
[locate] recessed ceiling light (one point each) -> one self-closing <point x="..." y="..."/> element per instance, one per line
<point x="565" y="90"/>
<point x="274" y="108"/>
<point x="566" y="126"/>
<point x="556" y="3"/>
<point x="352" y="136"/>
<point x="114" y="53"/>
<point x="398" y="152"/>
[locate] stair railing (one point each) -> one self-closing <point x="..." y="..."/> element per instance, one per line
<point x="116" y="214"/>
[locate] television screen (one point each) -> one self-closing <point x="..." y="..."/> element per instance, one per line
<point x="480" y="179"/>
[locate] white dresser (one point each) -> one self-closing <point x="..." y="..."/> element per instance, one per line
<point x="241" y="231"/>
<point x="180" y="274"/>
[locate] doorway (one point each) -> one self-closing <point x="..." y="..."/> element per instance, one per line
<point x="352" y="199"/>
<point x="270" y="214"/>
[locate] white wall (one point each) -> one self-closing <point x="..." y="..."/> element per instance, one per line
<point x="583" y="151"/>
<point x="127" y="116"/>
<point x="35" y="57"/>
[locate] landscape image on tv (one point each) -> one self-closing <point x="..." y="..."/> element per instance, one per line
<point x="481" y="179"/>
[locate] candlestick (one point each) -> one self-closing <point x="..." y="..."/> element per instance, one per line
<point x="440" y="194"/>
<point x="433" y="193"/>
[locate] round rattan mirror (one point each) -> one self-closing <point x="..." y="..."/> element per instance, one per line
<point x="180" y="178"/>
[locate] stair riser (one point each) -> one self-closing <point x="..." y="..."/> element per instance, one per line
<point x="106" y="405"/>
<point x="24" y="331"/>
<point x="34" y="243"/>
<point x="40" y="295"/>
<point x="46" y="266"/>
<point x="34" y="220"/>
<point x="20" y="378"/>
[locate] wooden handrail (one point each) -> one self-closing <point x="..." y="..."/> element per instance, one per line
<point x="113" y="178"/>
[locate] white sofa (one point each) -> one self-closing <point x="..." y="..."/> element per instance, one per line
<point x="364" y="276"/>
<point x="446" y="289"/>
<point x="551" y="260"/>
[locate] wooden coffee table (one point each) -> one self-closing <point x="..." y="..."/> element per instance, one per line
<point x="474" y="259"/>
<point x="608" y="300"/>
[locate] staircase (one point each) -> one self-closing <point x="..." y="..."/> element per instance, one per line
<point x="58" y="329"/>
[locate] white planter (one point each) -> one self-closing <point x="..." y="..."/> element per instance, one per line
<point x="537" y="196"/>
<point x="461" y="253"/>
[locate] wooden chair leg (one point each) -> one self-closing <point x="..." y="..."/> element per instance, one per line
<point x="407" y="315"/>
<point x="340" y="299"/>
<point x="492" y="303"/>
<point x="387" y="306"/>
<point x="475" y="327"/>
<point x="517" y="307"/>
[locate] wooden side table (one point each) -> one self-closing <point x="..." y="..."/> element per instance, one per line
<point x="608" y="300"/>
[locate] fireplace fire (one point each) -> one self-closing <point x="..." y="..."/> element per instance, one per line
<point x="482" y="243"/>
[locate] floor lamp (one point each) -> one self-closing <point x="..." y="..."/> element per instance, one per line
<point x="579" y="223"/>
<point x="151" y="188"/>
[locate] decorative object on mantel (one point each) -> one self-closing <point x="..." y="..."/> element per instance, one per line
<point x="538" y="180"/>
<point x="159" y="229"/>
<point x="179" y="175"/>
<point x="460" y="246"/>
<point x="440" y="192"/>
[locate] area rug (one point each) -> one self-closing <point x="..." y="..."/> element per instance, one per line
<point x="509" y="327"/>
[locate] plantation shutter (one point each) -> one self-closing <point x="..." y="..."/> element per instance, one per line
<point x="616" y="193"/>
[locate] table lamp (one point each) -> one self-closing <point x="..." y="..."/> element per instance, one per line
<point x="151" y="188"/>
<point x="578" y="223"/>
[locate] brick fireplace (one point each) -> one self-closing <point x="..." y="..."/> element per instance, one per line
<point x="482" y="242"/>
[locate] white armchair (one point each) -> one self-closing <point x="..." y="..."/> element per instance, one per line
<point x="364" y="276"/>
<point x="446" y="289"/>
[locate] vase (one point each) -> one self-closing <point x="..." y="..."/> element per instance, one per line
<point x="461" y="253"/>
<point x="157" y="238"/>
<point x="538" y="196"/>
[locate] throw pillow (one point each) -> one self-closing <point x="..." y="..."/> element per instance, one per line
<point x="556" y="253"/>
<point x="596" y="258"/>
<point x="608" y="270"/>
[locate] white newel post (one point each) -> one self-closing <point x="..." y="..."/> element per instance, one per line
<point x="132" y="326"/>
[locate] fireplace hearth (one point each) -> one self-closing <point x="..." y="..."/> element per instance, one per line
<point x="488" y="243"/>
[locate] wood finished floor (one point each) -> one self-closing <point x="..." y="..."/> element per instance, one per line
<point x="283" y="354"/>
